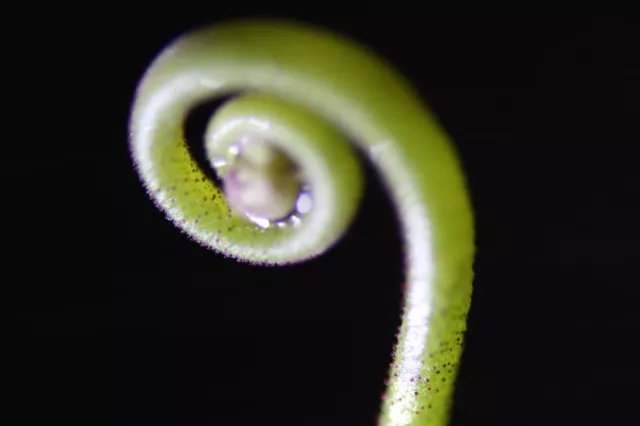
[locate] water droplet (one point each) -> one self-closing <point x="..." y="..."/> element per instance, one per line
<point x="260" y="221"/>
<point x="304" y="203"/>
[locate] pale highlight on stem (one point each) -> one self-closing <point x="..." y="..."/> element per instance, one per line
<point x="306" y="92"/>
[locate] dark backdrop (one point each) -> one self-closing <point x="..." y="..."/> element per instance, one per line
<point x="544" y="114"/>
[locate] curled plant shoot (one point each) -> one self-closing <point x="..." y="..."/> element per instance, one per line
<point x="292" y="182"/>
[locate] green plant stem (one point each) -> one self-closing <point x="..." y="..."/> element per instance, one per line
<point x="306" y="90"/>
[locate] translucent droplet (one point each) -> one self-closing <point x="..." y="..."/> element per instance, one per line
<point x="260" y="221"/>
<point x="261" y="181"/>
<point x="304" y="203"/>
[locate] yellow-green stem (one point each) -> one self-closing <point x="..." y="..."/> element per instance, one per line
<point x="307" y="91"/>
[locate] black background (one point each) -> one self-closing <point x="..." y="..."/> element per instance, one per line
<point x="543" y="111"/>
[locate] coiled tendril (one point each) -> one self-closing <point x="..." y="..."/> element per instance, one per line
<point x="292" y="182"/>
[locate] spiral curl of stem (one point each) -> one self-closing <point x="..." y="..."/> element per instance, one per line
<point x="293" y="182"/>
